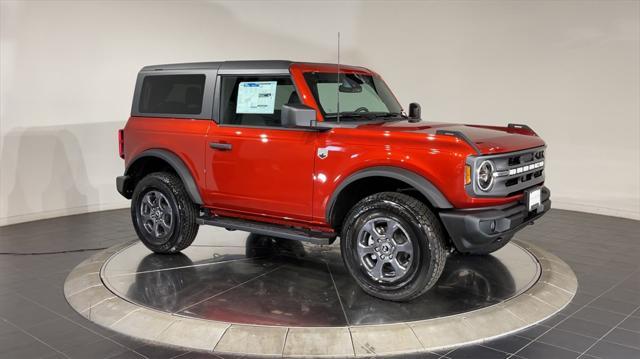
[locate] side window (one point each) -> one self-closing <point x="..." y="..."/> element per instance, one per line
<point x="172" y="94"/>
<point x="255" y="100"/>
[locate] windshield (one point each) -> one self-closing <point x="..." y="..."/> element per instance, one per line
<point x="361" y="96"/>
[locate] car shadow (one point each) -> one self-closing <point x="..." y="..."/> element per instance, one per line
<point x="56" y="170"/>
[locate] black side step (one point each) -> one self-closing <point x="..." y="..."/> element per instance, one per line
<point x="268" y="229"/>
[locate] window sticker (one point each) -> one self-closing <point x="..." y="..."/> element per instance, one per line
<point x="256" y="97"/>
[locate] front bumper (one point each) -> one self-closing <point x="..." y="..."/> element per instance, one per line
<point x="486" y="229"/>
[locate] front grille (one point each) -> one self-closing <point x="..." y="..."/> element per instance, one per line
<point x="523" y="158"/>
<point x="514" y="172"/>
<point x="515" y="179"/>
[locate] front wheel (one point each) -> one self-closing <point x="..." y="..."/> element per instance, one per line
<point x="393" y="246"/>
<point x="162" y="212"/>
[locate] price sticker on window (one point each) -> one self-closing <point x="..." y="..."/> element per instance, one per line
<point x="257" y="97"/>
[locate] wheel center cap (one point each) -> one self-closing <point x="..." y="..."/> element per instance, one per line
<point x="385" y="248"/>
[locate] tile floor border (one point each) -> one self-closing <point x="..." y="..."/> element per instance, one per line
<point x="86" y="293"/>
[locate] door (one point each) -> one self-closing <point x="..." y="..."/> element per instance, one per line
<point x="254" y="165"/>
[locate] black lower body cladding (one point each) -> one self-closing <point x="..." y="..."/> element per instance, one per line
<point x="485" y="230"/>
<point x="123" y="185"/>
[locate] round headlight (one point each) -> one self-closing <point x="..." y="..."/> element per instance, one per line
<point x="485" y="175"/>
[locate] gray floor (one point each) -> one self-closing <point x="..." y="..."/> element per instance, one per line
<point x="602" y="321"/>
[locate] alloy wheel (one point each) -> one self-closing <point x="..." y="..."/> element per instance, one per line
<point x="156" y="215"/>
<point x="384" y="250"/>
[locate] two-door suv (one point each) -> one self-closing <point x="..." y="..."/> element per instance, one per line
<point x="314" y="152"/>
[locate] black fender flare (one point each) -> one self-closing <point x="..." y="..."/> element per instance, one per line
<point x="423" y="185"/>
<point x="177" y="164"/>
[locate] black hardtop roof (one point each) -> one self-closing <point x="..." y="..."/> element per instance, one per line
<point x="257" y="66"/>
<point x="225" y="65"/>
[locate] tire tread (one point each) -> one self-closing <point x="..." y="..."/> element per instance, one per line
<point x="426" y="219"/>
<point x="187" y="211"/>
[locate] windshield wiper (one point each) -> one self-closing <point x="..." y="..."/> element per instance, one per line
<point x="388" y="114"/>
<point x="391" y="116"/>
<point x="351" y="116"/>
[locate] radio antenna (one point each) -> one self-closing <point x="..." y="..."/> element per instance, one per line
<point x="339" y="82"/>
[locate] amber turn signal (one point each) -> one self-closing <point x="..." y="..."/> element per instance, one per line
<point x="467" y="175"/>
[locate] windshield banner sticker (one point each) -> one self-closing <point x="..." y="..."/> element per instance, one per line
<point x="256" y="97"/>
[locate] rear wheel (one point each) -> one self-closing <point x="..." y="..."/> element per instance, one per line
<point x="162" y="212"/>
<point x="393" y="246"/>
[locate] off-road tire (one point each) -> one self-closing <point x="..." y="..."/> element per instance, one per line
<point x="425" y="232"/>
<point x="184" y="211"/>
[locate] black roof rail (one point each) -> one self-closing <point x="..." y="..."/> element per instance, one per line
<point x="461" y="136"/>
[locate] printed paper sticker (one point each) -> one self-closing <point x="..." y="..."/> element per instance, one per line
<point x="256" y="97"/>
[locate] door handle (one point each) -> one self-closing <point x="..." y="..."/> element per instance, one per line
<point x="220" y="146"/>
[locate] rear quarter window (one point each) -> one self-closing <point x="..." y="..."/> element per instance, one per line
<point x="172" y="94"/>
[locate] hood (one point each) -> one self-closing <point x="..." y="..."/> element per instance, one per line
<point x="488" y="139"/>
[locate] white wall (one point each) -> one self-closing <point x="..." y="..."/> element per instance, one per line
<point x="571" y="70"/>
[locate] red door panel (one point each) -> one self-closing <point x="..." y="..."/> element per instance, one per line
<point x="263" y="171"/>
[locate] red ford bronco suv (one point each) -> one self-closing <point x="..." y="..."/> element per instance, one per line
<point x="314" y="152"/>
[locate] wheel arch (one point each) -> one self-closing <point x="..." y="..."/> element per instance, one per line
<point x="340" y="198"/>
<point x="157" y="160"/>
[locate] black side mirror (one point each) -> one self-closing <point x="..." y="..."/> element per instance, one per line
<point x="297" y="115"/>
<point x="415" y="112"/>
